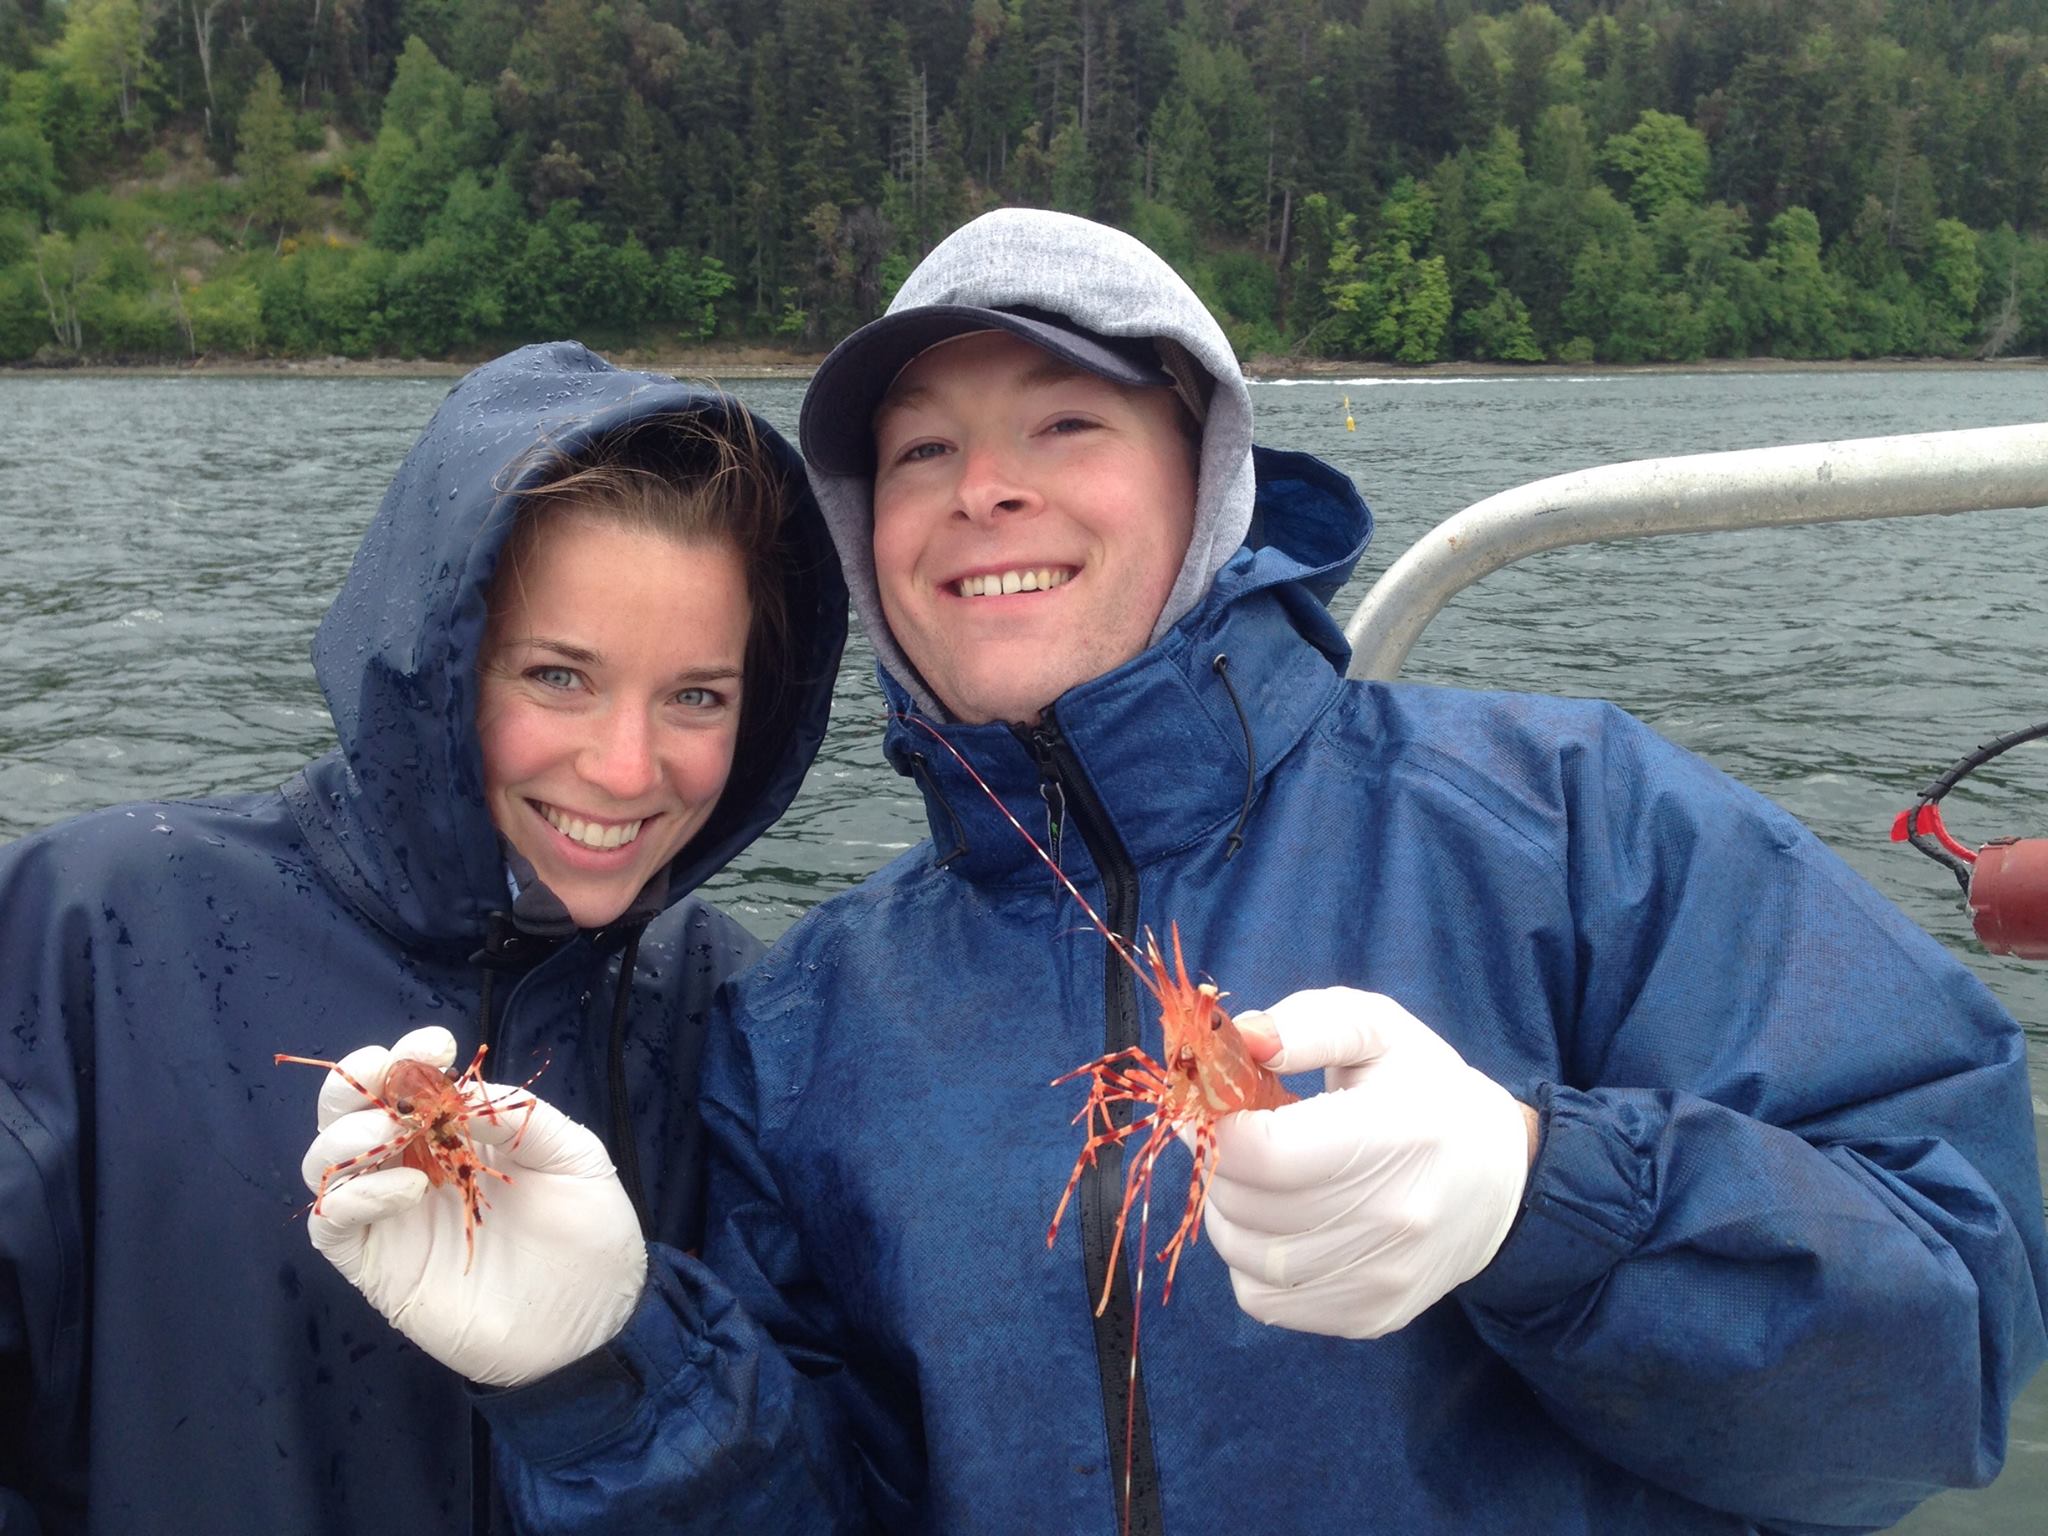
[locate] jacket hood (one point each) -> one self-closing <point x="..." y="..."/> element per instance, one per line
<point x="397" y="817"/>
<point x="1107" y="282"/>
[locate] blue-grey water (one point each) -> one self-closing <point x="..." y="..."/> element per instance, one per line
<point x="168" y="544"/>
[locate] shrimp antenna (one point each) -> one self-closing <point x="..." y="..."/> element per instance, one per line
<point x="1125" y="949"/>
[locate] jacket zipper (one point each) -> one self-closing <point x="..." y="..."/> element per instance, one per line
<point x="1065" y="787"/>
<point x="483" y="1497"/>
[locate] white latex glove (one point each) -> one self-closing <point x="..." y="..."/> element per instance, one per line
<point x="1352" y="1212"/>
<point x="559" y="1260"/>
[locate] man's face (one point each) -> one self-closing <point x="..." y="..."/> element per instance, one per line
<point x="1030" y="519"/>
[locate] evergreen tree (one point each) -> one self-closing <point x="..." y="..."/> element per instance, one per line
<point x="273" y="181"/>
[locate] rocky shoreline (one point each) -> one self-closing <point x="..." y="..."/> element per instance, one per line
<point x="765" y="363"/>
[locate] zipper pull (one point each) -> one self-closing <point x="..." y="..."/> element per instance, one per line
<point x="1051" y="791"/>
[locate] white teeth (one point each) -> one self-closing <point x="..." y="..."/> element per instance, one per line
<point x="1040" y="579"/>
<point x="592" y="834"/>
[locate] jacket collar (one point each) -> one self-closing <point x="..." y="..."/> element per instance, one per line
<point x="1161" y="742"/>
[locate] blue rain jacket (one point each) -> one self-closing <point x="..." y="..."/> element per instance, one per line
<point x="1781" y="1256"/>
<point x="173" y="1354"/>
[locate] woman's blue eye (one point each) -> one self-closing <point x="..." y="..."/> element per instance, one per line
<point x="918" y="452"/>
<point x="554" y="677"/>
<point x="699" y="698"/>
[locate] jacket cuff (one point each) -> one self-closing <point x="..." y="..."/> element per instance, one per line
<point x="593" y="1398"/>
<point x="1587" y="1205"/>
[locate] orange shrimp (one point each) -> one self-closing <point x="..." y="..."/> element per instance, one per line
<point x="1208" y="1072"/>
<point x="433" y="1112"/>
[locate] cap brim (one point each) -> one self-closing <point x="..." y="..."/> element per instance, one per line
<point x="836" y="426"/>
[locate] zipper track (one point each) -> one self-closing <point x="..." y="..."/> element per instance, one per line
<point x="1101" y="1192"/>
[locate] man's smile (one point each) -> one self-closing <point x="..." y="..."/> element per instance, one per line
<point x="1040" y="578"/>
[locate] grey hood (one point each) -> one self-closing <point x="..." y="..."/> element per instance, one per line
<point x="1107" y="282"/>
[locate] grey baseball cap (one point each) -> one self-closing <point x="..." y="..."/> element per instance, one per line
<point x="837" y="425"/>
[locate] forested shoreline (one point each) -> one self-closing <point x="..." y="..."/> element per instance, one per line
<point x="1401" y="181"/>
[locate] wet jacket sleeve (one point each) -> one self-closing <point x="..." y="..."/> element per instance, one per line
<point x="1781" y="1250"/>
<point x="32" y="1327"/>
<point x="692" y="1420"/>
<point x="45" y="975"/>
<point x="722" y="1406"/>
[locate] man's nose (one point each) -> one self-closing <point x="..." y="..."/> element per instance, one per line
<point x="619" y="756"/>
<point x="992" y="483"/>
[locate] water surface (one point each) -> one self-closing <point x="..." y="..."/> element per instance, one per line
<point x="168" y="544"/>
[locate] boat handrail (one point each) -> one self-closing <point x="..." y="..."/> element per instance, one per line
<point x="1919" y="475"/>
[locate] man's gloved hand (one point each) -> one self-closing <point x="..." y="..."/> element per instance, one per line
<point x="559" y="1260"/>
<point x="1351" y="1212"/>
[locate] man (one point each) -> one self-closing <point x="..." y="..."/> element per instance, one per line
<point x="1665" y="1178"/>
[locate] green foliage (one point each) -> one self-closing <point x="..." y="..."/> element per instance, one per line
<point x="103" y="68"/>
<point x="1802" y="301"/>
<point x="126" y="322"/>
<point x="1703" y="256"/>
<point x="1951" y="283"/>
<point x="17" y="238"/>
<point x="435" y="128"/>
<point x="94" y="286"/>
<point x="326" y="300"/>
<point x="2013" y="303"/>
<point x="227" y="316"/>
<point x="1384" y="300"/>
<point x="1243" y="292"/>
<point x="1614" y="299"/>
<point x="1391" y="178"/>
<point x="687" y="291"/>
<point x="1662" y="161"/>
<point x="28" y="171"/>
<point x="24" y="325"/>
<point x="273" y="181"/>
<point x="1499" y="330"/>
<point x="1169" y="231"/>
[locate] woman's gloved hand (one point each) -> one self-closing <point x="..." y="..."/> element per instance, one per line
<point x="559" y="1258"/>
<point x="1352" y="1212"/>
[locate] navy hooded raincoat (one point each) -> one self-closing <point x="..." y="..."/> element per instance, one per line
<point x="173" y="1355"/>
<point x="1780" y="1261"/>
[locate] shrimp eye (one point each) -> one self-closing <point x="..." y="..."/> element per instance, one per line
<point x="402" y="1106"/>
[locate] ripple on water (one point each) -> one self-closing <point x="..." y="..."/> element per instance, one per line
<point x="167" y="562"/>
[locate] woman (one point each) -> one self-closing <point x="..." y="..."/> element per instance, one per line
<point x="583" y="657"/>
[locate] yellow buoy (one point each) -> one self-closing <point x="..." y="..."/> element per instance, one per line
<point x="1349" y="424"/>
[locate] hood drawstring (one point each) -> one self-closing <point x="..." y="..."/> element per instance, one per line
<point x="1221" y="667"/>
<point x="922" y="773"/>
<point x="505" y="948"/>
<point x="625" y="1151"/>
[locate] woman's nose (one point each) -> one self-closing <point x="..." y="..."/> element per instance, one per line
<point x="619" y="757"/>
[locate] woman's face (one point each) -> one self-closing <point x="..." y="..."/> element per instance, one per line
<point x="610" y="703"/>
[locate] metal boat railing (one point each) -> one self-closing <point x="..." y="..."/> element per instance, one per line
<point x="1922" y="475"/>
